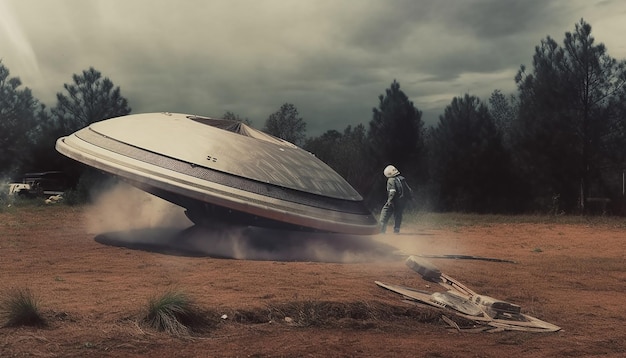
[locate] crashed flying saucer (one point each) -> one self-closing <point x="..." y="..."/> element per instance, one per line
<point x="222" y="170"/>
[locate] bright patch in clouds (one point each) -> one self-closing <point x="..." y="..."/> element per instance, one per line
<point x="331" y="59"/>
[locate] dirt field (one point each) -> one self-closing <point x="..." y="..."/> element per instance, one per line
<point x="93" y="281"/>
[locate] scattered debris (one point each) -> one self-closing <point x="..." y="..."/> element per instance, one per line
<point x="486" y="313"/>
<point x="54" y="199"/>
<point x="42" y="184"/>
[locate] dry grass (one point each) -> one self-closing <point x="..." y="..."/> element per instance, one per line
<point x="360" y="314"/>
<point x="458" y="220"/>
<point x="19" y="307"/>
<point x="175" y="313"/>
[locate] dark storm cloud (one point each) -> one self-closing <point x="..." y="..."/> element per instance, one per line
<point x="332" y="59"/>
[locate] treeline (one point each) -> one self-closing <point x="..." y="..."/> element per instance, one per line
<point x="29" y="130"/>
<point x="556" y="145"/>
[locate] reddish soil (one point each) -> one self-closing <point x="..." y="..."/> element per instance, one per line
<point x="93" y="286"/>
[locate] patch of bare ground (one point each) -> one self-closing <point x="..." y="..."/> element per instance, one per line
<point x="93" y="293"/>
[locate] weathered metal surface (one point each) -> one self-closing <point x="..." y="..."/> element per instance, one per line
<point x="491" y="314"/>
<point x="222" y="170"/>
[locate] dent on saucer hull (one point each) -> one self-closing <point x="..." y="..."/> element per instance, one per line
<point x="222" y="170"/>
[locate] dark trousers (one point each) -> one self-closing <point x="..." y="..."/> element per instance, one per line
<point x="396" y="208"/>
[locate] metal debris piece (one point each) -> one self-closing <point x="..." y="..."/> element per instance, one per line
<point x="490" y="314"/>
<point x="450" y="322"/>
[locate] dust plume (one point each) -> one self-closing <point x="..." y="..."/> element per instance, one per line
<point x="128" y="217"/>
<point x="124" y="207"/>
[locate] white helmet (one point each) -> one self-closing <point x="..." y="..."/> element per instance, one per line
<point x="391" y="171"/>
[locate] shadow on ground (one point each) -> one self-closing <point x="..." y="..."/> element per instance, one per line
<point x="252" y="243"/>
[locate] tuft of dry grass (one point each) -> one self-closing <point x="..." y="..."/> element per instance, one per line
<point x="175" y="313"/>
<point x="19" y="307"/>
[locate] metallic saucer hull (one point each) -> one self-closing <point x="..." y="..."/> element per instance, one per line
<point x="219" y="174"/>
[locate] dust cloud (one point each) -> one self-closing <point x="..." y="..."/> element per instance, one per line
<point x="128" y="217"/>
<point x="124" y="207"/>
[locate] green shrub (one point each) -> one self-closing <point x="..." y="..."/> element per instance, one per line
<point x="20" y="308"/>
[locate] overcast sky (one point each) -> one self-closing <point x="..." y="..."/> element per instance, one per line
<point x="330" y="58"/>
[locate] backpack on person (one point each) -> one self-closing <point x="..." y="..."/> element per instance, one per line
<point x="404" y="189"/>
